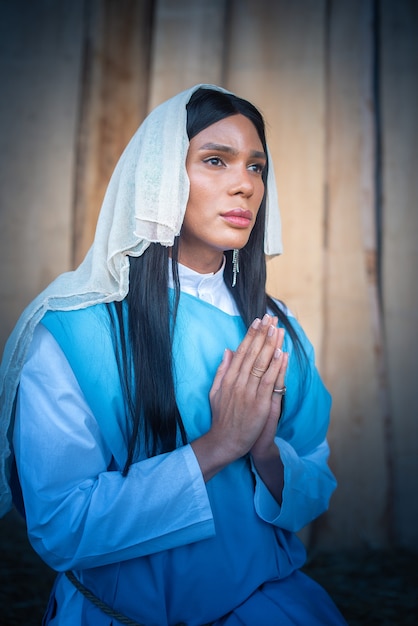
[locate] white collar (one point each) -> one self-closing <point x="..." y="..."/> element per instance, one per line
<point x="190" y="280"/>
<point x="208" y="287"/>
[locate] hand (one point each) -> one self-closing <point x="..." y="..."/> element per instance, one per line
<point x="244" y="409"/>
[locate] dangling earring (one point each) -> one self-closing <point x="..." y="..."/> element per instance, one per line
<point x="235" y="266"/>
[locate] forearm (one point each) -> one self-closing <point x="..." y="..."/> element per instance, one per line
<point x="210" y="458"/>
<point x="269" y="467"/>
<point x="307" y="487"/>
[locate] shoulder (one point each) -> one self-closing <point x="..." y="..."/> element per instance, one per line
<point x="79" y="324"/>
<point x="84" y="335"/>
<point x="90" y="315"/>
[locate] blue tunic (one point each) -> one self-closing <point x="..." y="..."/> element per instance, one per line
<point x="246" y="562"/>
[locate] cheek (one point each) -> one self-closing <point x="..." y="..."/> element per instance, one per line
<point x="200" y="194"/>
<point x="258" y="195"/>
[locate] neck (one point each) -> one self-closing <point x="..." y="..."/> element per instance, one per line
<point x="203" y="264"/>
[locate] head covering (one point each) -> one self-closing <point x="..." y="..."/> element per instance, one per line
<point x="145" y="202"/>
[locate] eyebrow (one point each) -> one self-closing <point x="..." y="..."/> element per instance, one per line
<point x="254" y="154"/>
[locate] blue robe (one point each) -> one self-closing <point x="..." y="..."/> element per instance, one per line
<point x="245" y="570"/>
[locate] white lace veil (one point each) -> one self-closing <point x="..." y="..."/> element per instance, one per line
<point x="144" y="203"/>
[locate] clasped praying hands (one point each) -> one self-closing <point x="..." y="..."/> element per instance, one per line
<point x="245" y="409"/>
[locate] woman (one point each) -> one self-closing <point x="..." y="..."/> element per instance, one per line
<point x="170" y="430"/>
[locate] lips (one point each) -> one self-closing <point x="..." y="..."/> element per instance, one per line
<point x="238" y="217"/>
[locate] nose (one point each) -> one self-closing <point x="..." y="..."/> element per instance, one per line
<point x="242" y="182"/>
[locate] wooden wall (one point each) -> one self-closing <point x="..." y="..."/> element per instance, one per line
<point x="337" y="82"/>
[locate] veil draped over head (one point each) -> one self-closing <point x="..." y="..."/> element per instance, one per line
<point x="144" y="203"/>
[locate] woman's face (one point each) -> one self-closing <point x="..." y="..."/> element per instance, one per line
<point x="224" y="164"/>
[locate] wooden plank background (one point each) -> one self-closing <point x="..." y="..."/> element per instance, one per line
<point x="40" y="62"/>
<point x="399" y="106"/>
<point x="337" y="82"/>
<point x="349" y="364"/>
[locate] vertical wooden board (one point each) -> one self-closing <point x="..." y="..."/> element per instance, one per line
<point x="358" y="515"/>
<point x="113" y="104"/>
<point x="40" y="54"/>
<point x="187" y="46"/>
<point x="276" y="60"/>
<point x="399" y="91"/>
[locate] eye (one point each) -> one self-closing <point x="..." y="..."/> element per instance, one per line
<point x="258" y="168"/>
<point x="214" y="160"/>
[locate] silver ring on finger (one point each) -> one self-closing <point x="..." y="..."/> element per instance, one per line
<point x="280" y="390"/>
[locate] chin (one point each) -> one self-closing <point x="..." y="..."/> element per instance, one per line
<point x="238" y="244"/>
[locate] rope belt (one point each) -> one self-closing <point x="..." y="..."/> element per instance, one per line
<point x="105" y="608"/>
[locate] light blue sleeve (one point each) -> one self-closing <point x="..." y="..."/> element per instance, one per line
<point x="308" y="486"/>
<point x="80" y="514"/>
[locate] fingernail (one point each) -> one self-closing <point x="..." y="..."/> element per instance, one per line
<point x="266" y="319"/>
<point x="270" y="331"/>
<point x="256" y="323"/>
<point x="277" y="353"/>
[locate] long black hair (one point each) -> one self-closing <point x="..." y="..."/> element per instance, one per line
<point x="144" y="335"/>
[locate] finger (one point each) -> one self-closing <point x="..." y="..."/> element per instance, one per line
<point x="273" y="342"/>
<point x="265" y="365"/>
<point x="283" y="368"/>
<point x="266" y="383"/>
<point x="280" y="337"/>
<point x="260" y="349"/>
<point x="221" y="371"/>
<point x="251" y="345"/>
<point x="279" y="388"/>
